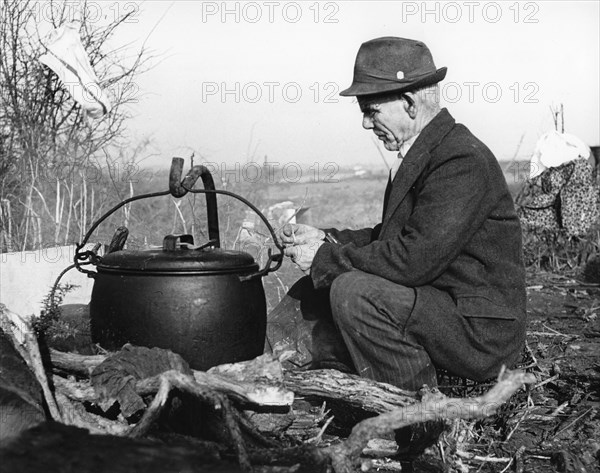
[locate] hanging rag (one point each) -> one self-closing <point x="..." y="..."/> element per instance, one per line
<point x="66" y="56"/>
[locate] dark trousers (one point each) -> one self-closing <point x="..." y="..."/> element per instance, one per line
<point x="364" y="321"/>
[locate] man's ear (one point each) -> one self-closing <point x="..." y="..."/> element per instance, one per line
<point x="410" y="104"/>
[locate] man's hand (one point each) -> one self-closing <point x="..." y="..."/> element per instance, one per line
<point x="303" y="255"/>
<point x="300" y="234"/>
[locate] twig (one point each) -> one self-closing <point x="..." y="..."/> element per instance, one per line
<point x="519" y="459"/>
<point x="552" y="334"/>
<point x="236" y="435"/>
<point x="546" y="381"/>
<point x="281" y="283"/>
<point x="490" y="459"/>
<point x="505" y="469"/>
<point x="177" y="204"/>
<point x="317" y="439"/>
<point x="344" y="455"/>
<point x="514" y="429"/>
<point x="276" y="230"/>
<point x="572" y="423"/>
<point x="153" y="411"/>
<point x="533" y="358"/>
<point x="554" y="331"/>
<point x="440" y="447"/>
<point x="559" y="409"/>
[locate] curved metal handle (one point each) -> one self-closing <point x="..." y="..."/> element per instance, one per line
<point x="179" y="188"/>
<point x="91" y="257"/>
<point x="278" y="259"/>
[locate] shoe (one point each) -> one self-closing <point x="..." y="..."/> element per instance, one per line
<point x="414" y="439"/>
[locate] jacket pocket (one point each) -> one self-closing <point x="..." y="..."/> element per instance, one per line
<point x="482" y="307"/>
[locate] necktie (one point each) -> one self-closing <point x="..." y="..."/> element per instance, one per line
<point x="393" y="172"/>
<point x="396" y="166"/>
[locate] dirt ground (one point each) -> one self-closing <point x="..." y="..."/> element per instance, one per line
<point x="560" y="417"/>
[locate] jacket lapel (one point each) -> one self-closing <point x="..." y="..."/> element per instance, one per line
<point x="386" y="196"/>
<point x="415" y="161"/>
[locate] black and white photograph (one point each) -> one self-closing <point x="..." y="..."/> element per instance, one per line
<point x="299" y="236"/>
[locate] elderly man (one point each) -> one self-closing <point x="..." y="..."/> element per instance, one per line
<point x="439" y="283"/>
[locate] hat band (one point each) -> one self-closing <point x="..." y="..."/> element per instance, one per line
<point x="367" y="77"/>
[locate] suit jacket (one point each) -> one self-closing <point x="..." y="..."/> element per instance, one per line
<point x="448" y="223"/>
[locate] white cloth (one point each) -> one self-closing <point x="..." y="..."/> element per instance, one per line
<point x="553" y="149"/>
<point x="68" y="59"/>
<point x="404" y="147"/>
<point x="28" y="276"/>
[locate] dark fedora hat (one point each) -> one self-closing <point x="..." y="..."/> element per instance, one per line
<point x="393" y="65"/>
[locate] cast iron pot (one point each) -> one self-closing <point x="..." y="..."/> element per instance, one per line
<point x="203" y="302"/>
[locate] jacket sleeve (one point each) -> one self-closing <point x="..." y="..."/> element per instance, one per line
<point x="360" y="237"/>
<point x="452" y="203"/>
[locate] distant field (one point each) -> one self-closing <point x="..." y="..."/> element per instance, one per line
<point x="353" y="203"/>
<point x="357" y="202"/>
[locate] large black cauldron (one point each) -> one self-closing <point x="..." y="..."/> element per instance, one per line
<point x="203" y="302"/>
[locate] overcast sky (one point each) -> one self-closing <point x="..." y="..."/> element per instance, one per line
<point x="241" y="80"/>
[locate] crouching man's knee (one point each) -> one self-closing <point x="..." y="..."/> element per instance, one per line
<point x="347" y="295"/>
<point x="357" y="292"/>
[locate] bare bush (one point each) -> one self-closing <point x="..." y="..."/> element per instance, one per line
<point x="47" y="142"/>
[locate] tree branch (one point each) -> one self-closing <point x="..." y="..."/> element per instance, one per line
<point x="343" y="456"/>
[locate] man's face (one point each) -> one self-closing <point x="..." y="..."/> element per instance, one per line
<point x="389" y="120"/>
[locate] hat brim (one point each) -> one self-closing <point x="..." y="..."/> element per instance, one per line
<point x="362" y="88"/>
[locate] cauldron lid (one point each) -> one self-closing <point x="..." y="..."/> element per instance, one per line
<point x="205" y="260"/>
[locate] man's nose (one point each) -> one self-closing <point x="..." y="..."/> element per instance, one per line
<point x="367" y="122"/>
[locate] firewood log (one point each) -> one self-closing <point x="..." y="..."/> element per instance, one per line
<point x="21" y="400"/>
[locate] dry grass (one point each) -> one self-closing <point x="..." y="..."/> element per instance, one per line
<point x="559" y="252"/>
